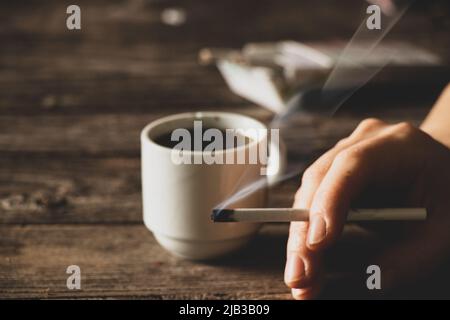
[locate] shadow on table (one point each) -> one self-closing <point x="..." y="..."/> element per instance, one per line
<point x="266" y="252"/>
<point x="346" y="265"/>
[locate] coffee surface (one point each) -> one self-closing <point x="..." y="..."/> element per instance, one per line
<point x="234" y="141"/>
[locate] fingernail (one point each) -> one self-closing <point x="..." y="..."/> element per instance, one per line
<point x="317" y="230"/>
<point x="299" y="294"/>
<point x="295" y="268"/>
<point x="305" y="293"/>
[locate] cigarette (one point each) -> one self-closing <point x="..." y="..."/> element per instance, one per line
<point x="291" y="214"/>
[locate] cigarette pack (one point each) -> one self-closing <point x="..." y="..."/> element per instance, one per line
<point x="269" y="74"/>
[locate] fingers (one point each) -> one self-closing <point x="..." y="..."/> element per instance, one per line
<point x="367" y="128"/>
<point x="306" y="293"/>
<point x="300" y="263"/>
<point x="389" y="157"/>
<point x="300" y="271"/>
<point x="375" y="155"/>
<point x="344" y="180"/>
<point x="315" y="173"/>
<point x="303" y="265"/>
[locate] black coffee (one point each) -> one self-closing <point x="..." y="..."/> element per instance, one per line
<point x="198" y="142"/>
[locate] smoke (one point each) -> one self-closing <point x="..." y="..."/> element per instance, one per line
<point x="348" y="74"/>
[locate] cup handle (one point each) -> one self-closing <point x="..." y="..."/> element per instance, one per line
<point x="276" y="163"/>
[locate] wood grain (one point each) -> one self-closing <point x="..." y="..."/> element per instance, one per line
<point x="72" y="105"/>
<point x="65" y="190"/>
<point x="90" y="171"/>
<point x="125" y="261"/>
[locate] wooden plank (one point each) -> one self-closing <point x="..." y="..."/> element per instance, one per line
<point x="118" y="134"/>
<point x="122" y="21"/>
<point x="82" y="190"/>
<point x="90" y="171"/>
<point x="143" y="65"/>
<point x="78" y="89"/>
<point x="119" y="261"/>
<point x="125" y="261"/>
<point x="112" y="134"/>
<point x="70" y="190"/>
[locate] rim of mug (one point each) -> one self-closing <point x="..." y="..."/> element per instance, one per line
<point x="198" y="115"/>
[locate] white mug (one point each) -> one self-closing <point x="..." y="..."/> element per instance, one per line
<point x="178" y="198"/>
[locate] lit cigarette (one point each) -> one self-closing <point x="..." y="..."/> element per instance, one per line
<point x="291" y="214"/>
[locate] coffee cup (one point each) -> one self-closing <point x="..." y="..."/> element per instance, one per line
<point x="178" y="196"/>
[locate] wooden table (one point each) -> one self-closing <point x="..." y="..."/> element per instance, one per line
<point x="72" y="104"/>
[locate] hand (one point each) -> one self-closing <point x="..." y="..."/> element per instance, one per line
<point x="397" y="165"/>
